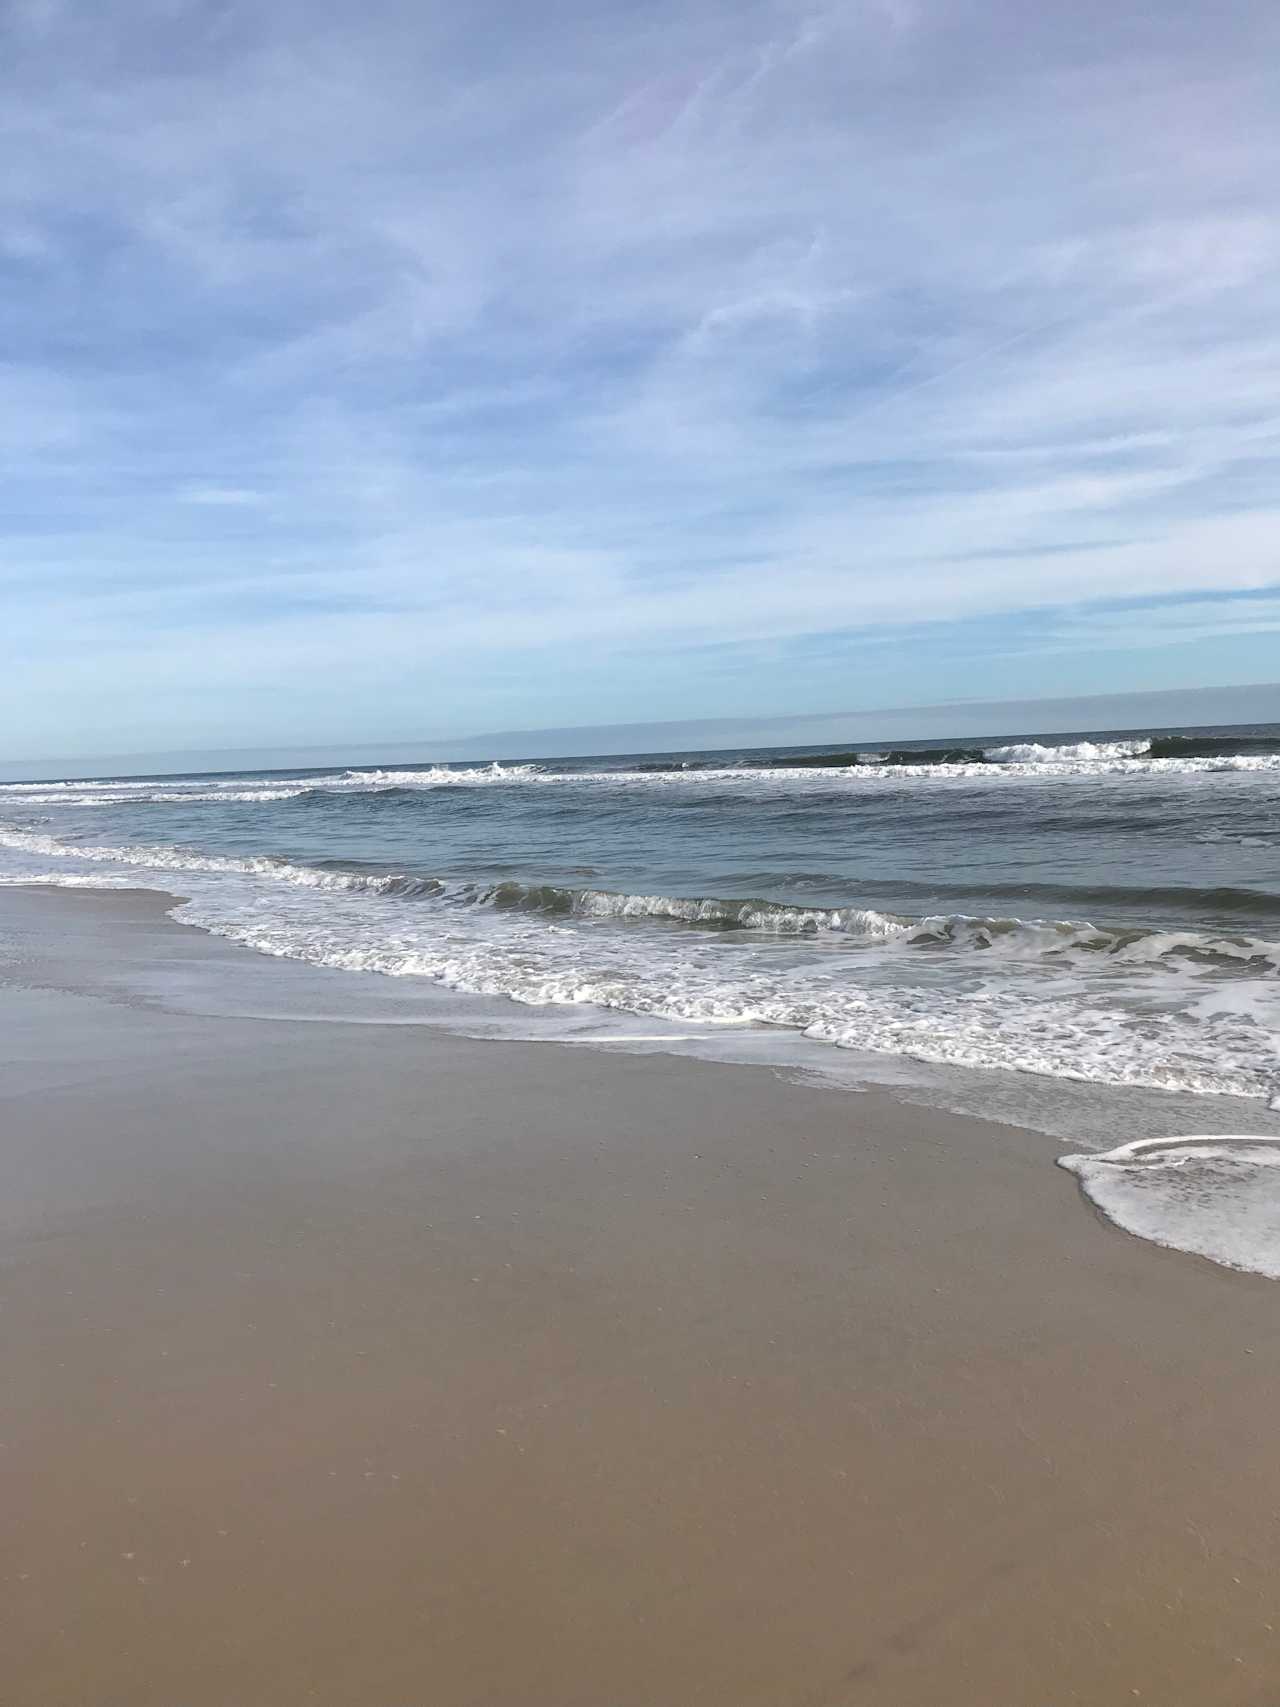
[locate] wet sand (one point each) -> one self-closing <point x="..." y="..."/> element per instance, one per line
<point x="366" y="1365"/>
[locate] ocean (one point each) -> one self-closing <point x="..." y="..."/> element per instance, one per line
<point x="991" y="921"/>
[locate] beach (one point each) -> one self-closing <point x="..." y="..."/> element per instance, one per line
<point x="365" y="1363"/>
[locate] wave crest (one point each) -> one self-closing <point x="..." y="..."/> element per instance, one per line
<point x="1011" y="936"/>
<point x="1074" y="752"/>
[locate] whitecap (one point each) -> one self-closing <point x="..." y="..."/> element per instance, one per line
<point x="1070" y="752"/>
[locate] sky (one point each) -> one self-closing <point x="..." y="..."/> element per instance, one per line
<point x="381" y="371"/>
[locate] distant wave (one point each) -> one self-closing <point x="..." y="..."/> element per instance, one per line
<point x="1163" y="756"/>
<point x="1073" y="752"/>
<point x="207" y="790"/>
<point x="1212" y="746"/>
<point x="436" y="776"/>
<point x="893" y="756"/>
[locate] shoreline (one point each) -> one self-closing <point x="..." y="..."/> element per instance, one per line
<point x="1076" y="1112"/>
<point x="377" y="1363"/>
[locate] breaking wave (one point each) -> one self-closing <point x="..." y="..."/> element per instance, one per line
<point x="175" y="791"/>
<point x="1011" y="936"/>
<point x="1185" y="1010"/>
<point x="1074" y="752"/>
<point x="1156" y="755"/>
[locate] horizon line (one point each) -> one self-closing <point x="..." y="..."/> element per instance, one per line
<point x="691" y="726"/>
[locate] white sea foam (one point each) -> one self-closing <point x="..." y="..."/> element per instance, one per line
<point x="435" y="776"/>
<point x="1073" y="753"/>
<point x="1064" y="999"/>
<point x="179" y="792"/>
<point x="991" y="1023"/>
<point x="67" y="879"/>
<point x="163" y="858"/>
<point x="1218" y="1197"/>
<point x="204" y="789"/>
<point x="169" y="797"/>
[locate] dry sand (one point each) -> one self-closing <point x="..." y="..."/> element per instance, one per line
<point x="370" y="1367"/>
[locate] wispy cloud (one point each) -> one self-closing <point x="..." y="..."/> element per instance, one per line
<point x="487" y="365"/>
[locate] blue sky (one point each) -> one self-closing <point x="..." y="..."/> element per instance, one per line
<point x="401" y="370"/>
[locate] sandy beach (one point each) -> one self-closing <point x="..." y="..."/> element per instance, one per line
<point x="365" y="1364"/>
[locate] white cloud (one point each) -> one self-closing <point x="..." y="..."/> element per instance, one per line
<point x="221" y="497"/>
<point x="746" y="323"/>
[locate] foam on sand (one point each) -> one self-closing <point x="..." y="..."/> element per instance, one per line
<point x="1217" y="1197"/>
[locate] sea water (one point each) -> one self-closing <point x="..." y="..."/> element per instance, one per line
<point x="1097" y="910"/>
